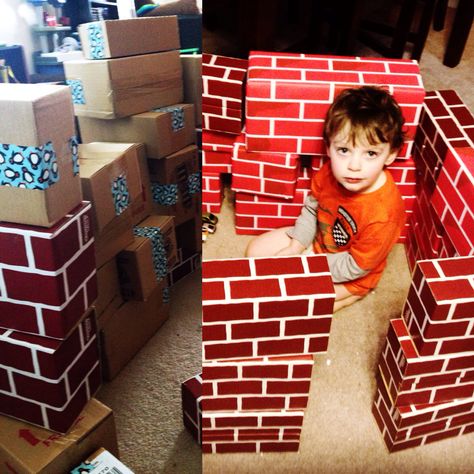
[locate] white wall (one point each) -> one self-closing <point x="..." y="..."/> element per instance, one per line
<point x="16" y="17"/>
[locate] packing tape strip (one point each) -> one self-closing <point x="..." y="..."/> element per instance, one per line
<point x="160" y="260"/>
<point x="96" y="38"/>
<point x="120" y="194"/>
<point x="28" y="167"/>
<point x="77" y="91"/>
<point x="74" y="147"/>
<point x="177" y="116"/>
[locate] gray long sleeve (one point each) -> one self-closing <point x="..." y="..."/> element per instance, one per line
<point x="343" y="267"/>
<point x="304" y="230"/>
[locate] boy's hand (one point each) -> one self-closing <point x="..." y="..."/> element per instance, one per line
<point x="294" y="248"/>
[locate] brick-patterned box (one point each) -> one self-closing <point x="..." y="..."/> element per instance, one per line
<point x="416" y="425"/>
<point x="254" y="307"/>
<point x="412" y="379"/>
<point x="439" y="307"/>
<point x="224" y="80"/>
<point x="263" y="384"/>
<point x="39" y="178"/>
<point x="212" y="193"/>
<point x="48" y="382"/>
<point x="289" y="94"/>
<point x="47" y="276"/>
<point x="269" y="174"/>
<point x="453" y="198"/>
<point x="445" y="123"/>
<point x="191" y="390"/>
<point x="255" y="432"/>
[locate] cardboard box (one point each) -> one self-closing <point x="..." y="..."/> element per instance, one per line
<point x="163" y="130"/>
<point x="27" y="449"/>
<point x="39" y="185"/>
<point x="189" y="237"/>
<point x="191" y="395"/>
<point x="111" y="179"/>
<point x="48" y="382"/>
<point x="113" y="88"/>
<point x="107" y="284"/>
<point x="100" y="462"/>
<point x="142" y="206"/>
<point x="126" y="331"/>
<point x="48" y="275"/>
<point x="116" y="38"/>
<point x="192" y="82"/>
<point x="176" y="184"/>
<point x="136" y="270"/>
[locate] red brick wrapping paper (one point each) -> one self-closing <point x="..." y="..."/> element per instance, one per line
<point x="414" y="379"/>
<point x="48" y="382"/>
<point x="191" y="390"/>
<point x="263" y="384"/>
<point x="47" y="276"/>
<point x="440" y="306"/>
<point x="255" y="307"/>
<point x="289" y="94"/>
<point x="212" y="193"/>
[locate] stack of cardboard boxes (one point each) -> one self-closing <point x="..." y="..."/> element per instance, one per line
<point x="49" y="354"/>
<point x="139" y="167"/>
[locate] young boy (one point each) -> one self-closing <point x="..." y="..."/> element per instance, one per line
<point x="355" y="212"/>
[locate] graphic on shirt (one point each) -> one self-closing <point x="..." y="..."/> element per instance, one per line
<point x="339" y="234"/>
<point x="348" y="218"/>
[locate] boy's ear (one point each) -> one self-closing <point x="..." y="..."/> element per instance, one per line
<point x="391" y="158"/>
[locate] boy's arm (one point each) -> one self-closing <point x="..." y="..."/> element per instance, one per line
<point x="343" y="267"/>
<point x="304" y="229"/>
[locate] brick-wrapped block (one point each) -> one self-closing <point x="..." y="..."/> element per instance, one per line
<point x="191" y="390"/>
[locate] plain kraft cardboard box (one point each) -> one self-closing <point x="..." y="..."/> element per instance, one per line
<point x="27" y="449"/>
<point x="175" y="170"/>
<point x="33" y="115"/>
<point x="192" y="83"/>
<point x="107" y="284"/>
<point x="116" y="38"/>
<point x="163" y="131"/>
<point x="114" y="88"/>
<point x="124" y="332"/>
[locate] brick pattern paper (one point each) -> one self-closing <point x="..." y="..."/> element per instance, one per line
<point x="289" y="94"/>
<point x="254" y="307"/>
<point x="212" y="192"/>
<point x="47" y="276"/>
<point x="48" y="382"/>
<point x="191" y="390"/>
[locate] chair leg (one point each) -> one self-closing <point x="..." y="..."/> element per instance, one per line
<point x="459" y="33"/>
<point x="402" y="29"/>
<point x="423" y="29"/>
<point x="440" y="14"/>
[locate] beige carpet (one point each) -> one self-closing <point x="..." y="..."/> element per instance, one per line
<point x="339" y="433"/>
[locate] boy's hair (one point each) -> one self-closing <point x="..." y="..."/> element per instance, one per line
<point x="371" y="112"/>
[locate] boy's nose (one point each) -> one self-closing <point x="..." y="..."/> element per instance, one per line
<point x="354" y="162"/>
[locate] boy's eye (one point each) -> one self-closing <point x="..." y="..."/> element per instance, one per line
<point x="372" y="154"/>
<point x="342" y="150"/>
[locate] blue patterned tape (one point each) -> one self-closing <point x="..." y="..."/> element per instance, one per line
<point x="194" y="183"/>
<point x="164" y="194"/>
<point x="28" y="167"/>
<point x="96" y="40"/>
<point x="160" y="260"/>
<point x="177" y="116"/>
<point x="77" y="91"/>
<point x="120" y="194"/>
<point x="74" y="147"/>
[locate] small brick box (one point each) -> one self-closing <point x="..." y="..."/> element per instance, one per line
<point x="412" y="379"/>
<point x="440" y="304"/>
<point x="255" y="307"/>
<point x="191" y="390"/>
<point x="48" y="382"/>
<point x="223" y="93"/>
<point x="264" y="384"/>
<point x="289" y="94"/>
<point x="47" y="276"/>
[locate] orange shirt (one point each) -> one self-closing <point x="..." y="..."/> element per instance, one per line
<point x="365" y="225"/>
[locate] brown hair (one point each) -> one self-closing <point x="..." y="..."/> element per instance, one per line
<point x="371" y="112"/>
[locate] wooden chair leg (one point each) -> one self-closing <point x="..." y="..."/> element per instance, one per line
<point x="423" y="29"/>
<point x="440" y="14"/>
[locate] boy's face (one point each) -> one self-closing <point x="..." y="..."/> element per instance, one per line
<point x="359" y="167"/>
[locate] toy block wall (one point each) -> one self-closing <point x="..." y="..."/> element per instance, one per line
<point x="255" y="307"/>
<point x="440" y="304"/>
<point x="212" y="192"/>
<point x="191" y="390"/>
<point x="263" y="384"/>
<point x="289" y="94"/>
<point x="414" y="379"/>
<point x="47" y="382"/>
<point x="48" y="275"/>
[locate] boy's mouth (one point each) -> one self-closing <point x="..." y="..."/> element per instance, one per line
<point x="353" y="180"/>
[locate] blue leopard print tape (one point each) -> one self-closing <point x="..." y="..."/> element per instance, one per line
<point x="96" y="40"/>
<point x="77" y="91"/>
<point x="167" y="194"/>
<point x="177" y="116"/>
<point x="120" y="194"/>
<point x="160" y="261"/>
